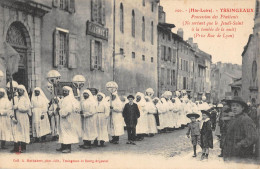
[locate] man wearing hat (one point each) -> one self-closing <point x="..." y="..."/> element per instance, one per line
<point x="241" y="133"/>
<point x="131" y="113"/>
<point x="194" y="131"/>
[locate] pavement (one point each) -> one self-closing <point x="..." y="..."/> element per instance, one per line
<point x="166" y="150"/>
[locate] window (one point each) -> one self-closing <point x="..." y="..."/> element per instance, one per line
<point x="133" y="23"/>
<point x="163" y="36"/>
<point x="165" y="54"/>
<point x="152" y="59"/>
<point x="143" y="57"/>
<point x="66" y="5"/>
<point x="121" y="18"/>
<point x="143" y="29"/>
<point x="98" y="11"/>
<point x="121" y="51"/>
<point x="169" y="37"/>
<point x="143" y="2"/>
<point x="162" y="52"/>
<point x="169" y="53"/>
<point x="168" y="76"/>
<point x="184" y="83"/>
<point x="133" y="55"/>
<point x="152" y="32"/>
<point x="174" y="53"/>
<point x="162" y="76"/>
<point x="96" y="57"/>
<point x="172" y="77"/>
<point x="64" y="49"/>
<point x="254" y="70"/>
<point x="152" y="6"/>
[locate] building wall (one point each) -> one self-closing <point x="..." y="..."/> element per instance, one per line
<point x="30" y="26"/>
<point x="222" y="75"/>
<point x="134" y="74"/>
<point x="247" y="78"/>
<point x="75" y="23"/>
<point x="169" y="67"/>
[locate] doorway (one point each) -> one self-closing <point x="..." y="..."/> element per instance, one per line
<point x="18" y="37"/>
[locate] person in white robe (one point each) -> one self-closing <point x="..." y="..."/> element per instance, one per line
<point x="161" y="110"/>
<point x="69" y="124"/>
<point x="116" y="120"/>
<point x="168" y="96"/>
<point x="5" y="120"/>
<point x="20" y="121"/>
<point x="178" y="108"/>
<point x="151" y="111"/>
<point x="142" y="121"/>
<point x="54" y="117"/>
<point x="102" y="119"/>
<point x="89" y="115"/>
<point x="40" y="121"/>
<point x="165" y="115"/>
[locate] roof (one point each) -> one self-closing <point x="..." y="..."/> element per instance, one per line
<point x="237" y="83"/>
<point x="168" y="25"/>
<point x="245" y="48"/>
<point x="174" y="35"/>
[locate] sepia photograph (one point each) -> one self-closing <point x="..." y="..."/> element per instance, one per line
<point x="124" y="84"/>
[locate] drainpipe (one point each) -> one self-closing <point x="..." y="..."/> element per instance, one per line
<point x="113" y="55"/>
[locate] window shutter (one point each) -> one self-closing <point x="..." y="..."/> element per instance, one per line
<point x="102" y="66"/>
<point x="103" y="13"/>
<point x="71" y="6"/>
<point x="72" y="60"/>
<point x="92" y="54"/>
<point x="67" y="49"/>
<point x="56" y="45"/>
<point x="55" y="3"/>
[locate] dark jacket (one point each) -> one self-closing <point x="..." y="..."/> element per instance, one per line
<point x="131" y="113"/>
<point x="240" y="137"/>
<point x="206" y="135"/>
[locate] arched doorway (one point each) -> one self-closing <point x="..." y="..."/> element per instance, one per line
<point x="18" y="37"/>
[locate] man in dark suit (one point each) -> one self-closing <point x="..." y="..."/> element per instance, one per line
<point x="131" y="114"/>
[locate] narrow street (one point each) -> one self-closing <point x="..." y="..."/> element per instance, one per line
<point x="165" y="144"/>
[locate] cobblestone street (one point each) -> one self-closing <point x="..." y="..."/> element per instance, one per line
<point x="167" y="150"/>
<point x="165" y="144"/>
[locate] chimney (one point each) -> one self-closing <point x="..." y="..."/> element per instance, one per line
<point x="161" y="15"/>
<point x="180" y="32"/>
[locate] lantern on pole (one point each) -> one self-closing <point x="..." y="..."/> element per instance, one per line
<point x="78" y="81"/>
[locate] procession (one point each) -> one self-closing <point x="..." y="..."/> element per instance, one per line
<point x="96" y="120"/>
<point x="129" y="81"/>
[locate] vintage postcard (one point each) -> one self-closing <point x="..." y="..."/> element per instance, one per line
<point x="129" y="84"/>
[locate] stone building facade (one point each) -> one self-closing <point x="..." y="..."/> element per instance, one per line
<point x="136" y="45"/>
<point x="21" y="27"/>
<point x="167" y="53"/>
<point x="251" y="62"/>
<point x="222" y="76"/>
<point x="77" y="38"/>
<point x="185" y="63"/>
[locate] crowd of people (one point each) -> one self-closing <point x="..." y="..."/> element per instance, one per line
<point x="95" y="119"/>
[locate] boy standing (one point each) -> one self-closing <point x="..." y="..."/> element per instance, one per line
<point x="194" y="131"/>
<point x="131" y="113"/>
